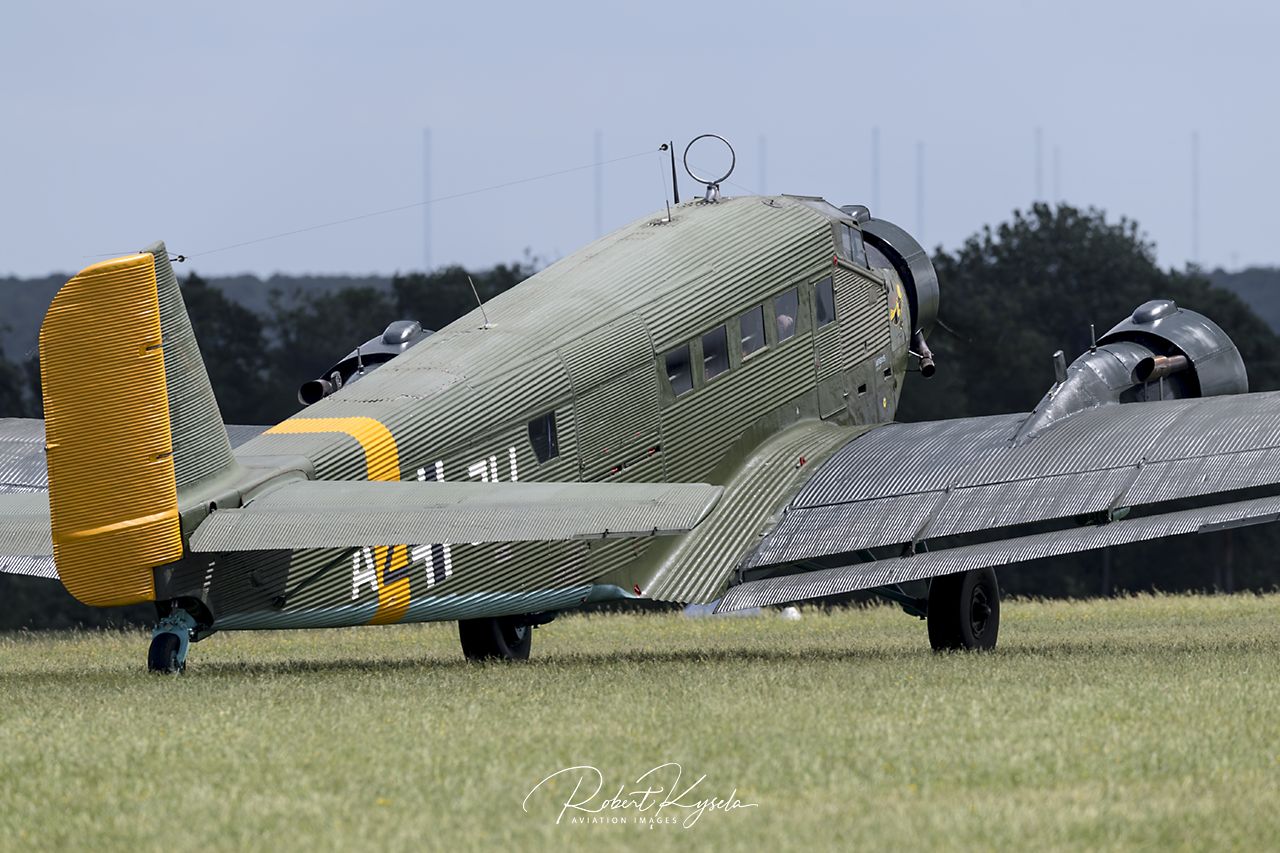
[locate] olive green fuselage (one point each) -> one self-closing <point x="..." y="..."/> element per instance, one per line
<point x="739" y="343"/>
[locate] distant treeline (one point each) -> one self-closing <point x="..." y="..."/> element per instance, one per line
<point x="1011" y="296"/>
<point x="261" y="339"/>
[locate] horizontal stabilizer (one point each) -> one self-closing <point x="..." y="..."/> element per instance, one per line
<point x="22" y="463"/>
<point x="24" y="524"/>
<point x="36" y="567"/>
<point x="878" y="573"/>
<point x="340" y="514"/>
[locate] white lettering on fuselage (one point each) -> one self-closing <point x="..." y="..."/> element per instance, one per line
<point x="364" y="571"/>
<point x="436" y="558"/>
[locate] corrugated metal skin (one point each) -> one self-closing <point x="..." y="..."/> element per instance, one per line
<point x="862" y="309"/>
<point x="239" y="434"/>
<point x="698" y="427"/>
<point x="200" y="444"/>
<point x="329" y="514"/>
<point x="114" y="507"/>
<point x="698" y="568"/>
<point x="904" y="482"/>
<point x="434" y="608"/>
<point x="900" y="570"/>
<point x="615" y="390"/>
<point x="827" y="351"/>
<point x="36" y="567"/>
<point x="24" y="524"/>
<point x="22" y="462"/>
<point x="604" y="355"/>
<point x="445" y="399"/>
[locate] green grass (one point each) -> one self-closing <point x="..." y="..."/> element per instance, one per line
<point x="1150" y="722"/>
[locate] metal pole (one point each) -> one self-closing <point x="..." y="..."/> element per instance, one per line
<point x="875" y="171"/>
<point x="1039" y="165"/>
<point x="1195" y="197"/>
<point x="599" y="185"/>
<point x="920" y="192"/>
<point x="763" y="187"/>
<point x="426" y="198"/>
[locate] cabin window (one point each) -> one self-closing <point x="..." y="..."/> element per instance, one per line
<point x="854" y="248"/>
<point x="679" y="370"/>
<point x="786" y="312"/>
<point x="825" y="301"/>
<point x="751" y="329"/>
<point x="542" y="435"/>
<point x="715" y="352"/>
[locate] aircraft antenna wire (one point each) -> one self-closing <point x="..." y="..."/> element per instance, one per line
<point x="386" y="211"/>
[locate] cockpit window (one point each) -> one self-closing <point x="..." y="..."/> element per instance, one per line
<point x="786" y="311"/>
<point x="679" y="370"/>
<point x="851" y="241"/>
<point x="715" y="352"/>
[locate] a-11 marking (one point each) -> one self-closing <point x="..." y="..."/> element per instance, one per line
<point x="437" y="558"/>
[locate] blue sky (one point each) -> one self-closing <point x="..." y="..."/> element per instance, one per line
<point x="211" y="124"/>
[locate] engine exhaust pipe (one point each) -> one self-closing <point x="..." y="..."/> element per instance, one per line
<point x="918" y="345"/>
<point x="1160" y="366"/>
<point x="316" y="390"/>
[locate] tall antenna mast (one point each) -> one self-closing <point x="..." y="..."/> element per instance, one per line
<point x="599" y="184"/>
<point x="1195" y="197"/>
<point x="1039" y="165"/>
<point x="1057" y="175"/>
<point x="920" y="192"/>
<point x="875" y="171"/>
<point x="426" y="198"/>
<point x="763" y="188"/>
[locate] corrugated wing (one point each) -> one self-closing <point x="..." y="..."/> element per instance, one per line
<point x="818" y="584"/>
<point x="906" y="482"/>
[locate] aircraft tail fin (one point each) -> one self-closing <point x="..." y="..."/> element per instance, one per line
<point x="130" y="420"/>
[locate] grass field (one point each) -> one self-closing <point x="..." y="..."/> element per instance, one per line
<point x="1133" y="723"/>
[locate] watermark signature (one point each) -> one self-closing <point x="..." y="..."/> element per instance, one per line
<point x="657" y="796"/>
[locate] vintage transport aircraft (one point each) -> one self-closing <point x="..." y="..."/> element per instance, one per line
<point x="697" y="407"/>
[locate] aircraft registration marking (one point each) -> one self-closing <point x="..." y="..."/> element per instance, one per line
<point x="384" y="568"/>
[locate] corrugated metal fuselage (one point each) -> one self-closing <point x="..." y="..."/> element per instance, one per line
<point x="585" y="342"/>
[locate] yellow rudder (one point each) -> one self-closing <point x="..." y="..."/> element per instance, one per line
<point x="113" y="495"/>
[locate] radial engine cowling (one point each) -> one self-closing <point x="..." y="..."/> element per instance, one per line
<point x="1160" y="352"/>
<point x="913" y="266"/>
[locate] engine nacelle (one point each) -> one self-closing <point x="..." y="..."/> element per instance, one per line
<point x="373" y="353"/>
<point x="1160" y="352"/>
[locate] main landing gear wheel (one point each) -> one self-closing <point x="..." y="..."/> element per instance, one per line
<point x="964" y="610"/>
<point x="496" y="638"/>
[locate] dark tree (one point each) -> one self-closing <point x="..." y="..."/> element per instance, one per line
<point x="235" y="351"/>
<point x="437" y="299"/>
<point x="309" y="333"/>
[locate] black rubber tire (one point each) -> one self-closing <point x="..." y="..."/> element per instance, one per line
<point x="495" y="638"/>
<point x="162" y="657"/>
<point x="964" y="611"/>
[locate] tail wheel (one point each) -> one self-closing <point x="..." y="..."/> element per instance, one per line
<point x="165" y="654"/>
<point x="964" y="610"/>
<point x="495" y="638"/>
